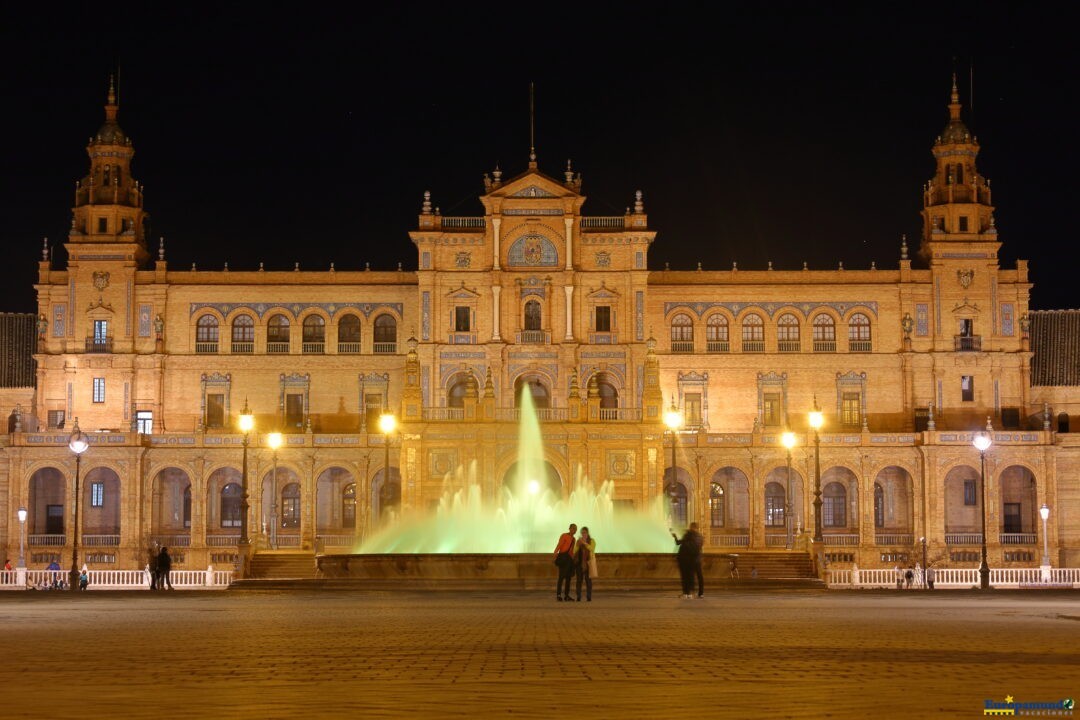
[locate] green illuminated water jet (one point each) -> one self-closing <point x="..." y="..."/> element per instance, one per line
<point x="528" y="516"/>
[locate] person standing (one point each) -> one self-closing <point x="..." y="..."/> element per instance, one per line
<point x="909" y="577"/>
<point x="164" y="564"/>
<point x="84" y="579"/>
<point x="564" y="560"/>
<point x="899" y="578"/>
<point x="585" y="563"/>
<point x="689" y="559"/>
<point x="930" y="577"/>
<point x="152" y="567"/>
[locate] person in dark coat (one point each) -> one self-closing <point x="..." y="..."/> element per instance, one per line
<point x="152" y="567"/>
<point x="689" y="558"/>
<point x="564" y="560"/>
<point x="164" y="565"/>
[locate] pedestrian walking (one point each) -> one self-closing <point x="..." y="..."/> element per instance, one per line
<point x="909" y="577"/>
<point x="689" y="559"/>
<point x="164" y="564"/>
<point x="930" y="576"/>
<point x="84" y="579"/>
<point x="585" y="563"/>
<point x="564" y="560"/>
<point x="899" y="578"/>
<point x="152" y="567"/>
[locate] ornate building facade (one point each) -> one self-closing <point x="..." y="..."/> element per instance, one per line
<point x="906" y="362"/>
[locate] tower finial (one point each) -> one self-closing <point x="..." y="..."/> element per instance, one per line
<point x="112" y="89"/>
<point x="111" y="107"/>
<point x="954" y="101"/>
<point x="532" y="125"/>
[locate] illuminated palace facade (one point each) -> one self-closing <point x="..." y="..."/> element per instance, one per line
<point x="157" y="363"/>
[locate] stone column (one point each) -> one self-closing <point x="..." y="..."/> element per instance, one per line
<point x="496" y="316"/>
<point x="495" y="224"/>
<point x="569" y="290"/>
<point x="569" y="221"/>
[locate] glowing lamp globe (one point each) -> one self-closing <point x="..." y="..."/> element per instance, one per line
<point x="788" y="439"/>
<point x="1044" y="511"/>
<point x="387" y="423"/>
<point x="274" y="440"/>
<point x="817" y="419"/>
<point x="982" y="441"/>
<point x="78" y="442"/>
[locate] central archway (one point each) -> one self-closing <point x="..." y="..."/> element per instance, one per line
<point x="550" y="482"/>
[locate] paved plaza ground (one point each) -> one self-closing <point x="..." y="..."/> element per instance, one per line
<point x="278" y="654"/>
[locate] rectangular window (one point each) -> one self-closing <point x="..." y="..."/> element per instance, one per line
<point x="603" y="318"/>
<point x="461" y="319"/>
<point x="99" y="390"/>
<point x="963" y="223"/>
<point x="770" y="410"/>
<point x="101" y="331"/>
<point x="969" y="493"/>
<point x="373" y="407"/>
<point x="850" y="408"/>
<point x="967" y="327"/>
<point x="102" y="225"/>
<point x="215" y="410"/>
<point x="692" y="408"/>
<point x="56" y="419"/>
<point x="54" y="519"/>
<point x="144" y="422"/>
<point x="1013" y="523"/>
<point x="774" y="510"/>
<point x="294" y="410"/>
<point x="922" y="419"/>
<point x="967" y="388"/>
<point x="1010" y="418"/>
<point x="834" y="512"/>
<point x="97" y="494"/>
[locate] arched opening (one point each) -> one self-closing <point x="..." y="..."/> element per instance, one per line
<point x="243" y="334"/>
<point x="824" y="333"/>
<point x="834" y="506"/>
<point x="753" y="333"/>
<point x="385" y="334"/>
<point x="272" y="509"/>
<point x="348" y="334"/>
<point x="217" y="500"/>
<point x="314" y="334"/>
<point x="101" y="506"/>
<point x="171" y="512"/>
<point x="459" y="390"/>
<point x="386" y="494"/>
<point x="277" y="334"/>
<point x="48" y="497"/>
<point x="533" y="316"/>
<point x="206" y="334"/>
<point x="839" y="508"/>
<point x="290" y="506"/>
<point x="859" y="333"/>
<point x="775" y="503"/>
<point x="716" y="333"/>
<point x="893" y="506"/>
<point x="230" y="505"/>
<point x="677" y="496"/>
<point x="963" y="504"/>
<point x="682" y="333"/>
<point x="787" y="333"/>
<point x="609" y="396"/>
<point x="778" y="506"/>
<point x="1018" y="508"/>
<point x="330" y="503"/>
<point x="735" y="520"/>
<point x="717" y="509"/>
<point x="540" y="396"/>
<point x="518" y="483"/>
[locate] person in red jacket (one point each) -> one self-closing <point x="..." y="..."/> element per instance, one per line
<point x="564" y="560"/>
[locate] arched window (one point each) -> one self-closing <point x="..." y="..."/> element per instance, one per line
<point x="775" y="501"/>
<point x="787" y="333"/>
<point x="314" y="334"/>
<point x="609" y="396"/>
<point x="682" y="333"/>
<point x="879" y="505"/>
<point x="243" y="334"/>
<point x="230" y="505"/>
<point x="277" y="334"/>
<point x="716" y="505"/>
<point x="753" y="333"/>
<point x="206" y="334"/>
<point x="532" y="316"/>
<point x="834" y="505"/>
<point x="385" y="334"/>
<point x="348" y="334"/>
<point x="187" y="506"/>
<point x="540" y="397"/>
<point x="676" y="495"/>
<point x="455" y="397"/>
<point x="824" y="333"/>
<point x="859" y="333"/>
<point x="716" y="333"/>
<point x="348" y="506"/>
<point x="290" y="506"/>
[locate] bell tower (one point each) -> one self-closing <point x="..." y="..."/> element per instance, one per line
<point x="109" y="201"/>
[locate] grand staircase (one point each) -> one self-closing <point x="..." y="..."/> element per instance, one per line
<point x="283" y="565"/>
<point x="774" y="565"/>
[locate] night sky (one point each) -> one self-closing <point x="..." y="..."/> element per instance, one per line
<point x="786" y="134"/>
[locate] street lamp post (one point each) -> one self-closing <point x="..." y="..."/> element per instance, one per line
<point x="982" y="442"/>
<point x="788" y="441"/>
<point x="1044" y="513"/>
<point x="246" y="424"/>
<point x="273" y="440"/>
<point x="22" y="538"/>
<point x="387" y="423"/>
<point x="674" y="420"/>
<point x="817" y="419"/>
<point x="925" y="585"/>
<point x="78" y="444"/>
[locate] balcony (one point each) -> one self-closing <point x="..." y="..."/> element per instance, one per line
<point x="277" y="348"/>
<point x="893" y="539"/>
<point x="967" y="343"/>
<point x="206" y="348"/>
<point x="775" y="540"/>
<point x="101" y="540"/>
<point x="46" y="540"/>
<point x="243" y="348"/>
<point x="729" y="540"/>
<point x="1017" y="538"/>
<point x="717" y="346"/>
<point x="963" y="538"/>
<point x="384" y="348"/>
<point x="787" y="346"/>
<point x="348" y="348"/>
<point x="633" y="414"/>
<point x="444" y="413"/>
<point x="534" y="337"/>
<point x="461" y="338"/>
<point x="859" y="346"/>
<point x="842" y="539"/>
<point x="98" y="345"/>
<point x="313" y="348"/>
<point x="542" y="414"/>
<point x="615" y="222"/>
<point x="173" y="540"/>
<point x="753" y="346"/>
<point x="682" y="346"/>
<point x="222" y="540"/>
<point x="825" y="346"/>
<point x="463" y="223"/>
<point x="603" y="338"/>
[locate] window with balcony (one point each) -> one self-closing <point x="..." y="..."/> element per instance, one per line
<point x="206" y="334"/>
<point x="716" y="334"/>
<point x="532" y="328"/>
<point x="294" y="410"/>
<point x="386" y="334"/>
<point x="682" y="334"/>
<point x="824" y="333"/>
<point x="787" y="333"/>
<point x="314" y="335"/>
<point x="100" y="341"/>
<point x="348" y="334"/>
<point x="277" y="335"/>
<point x="243" y="334"/>
<point x="850" y="408"/>
<point x="753" y="334"/>
<point x="859" y="333"/>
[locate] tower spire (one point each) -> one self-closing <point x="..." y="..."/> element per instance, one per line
<point x="111" y="106"/>
<point x="954" y="101"/>
<point x="532" y="125"/>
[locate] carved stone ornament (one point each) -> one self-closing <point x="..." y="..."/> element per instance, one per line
<point x="965" y="277"/>
<point x="907" y="324"/>
<point x="463" y="259"/>
<point x="603" y="259"/>
<point x="101" y="279"/>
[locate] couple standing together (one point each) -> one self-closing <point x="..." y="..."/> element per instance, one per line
<point x="575" y="557"/>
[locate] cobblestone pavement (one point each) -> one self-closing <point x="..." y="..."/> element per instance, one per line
<point x="271" y="654"/>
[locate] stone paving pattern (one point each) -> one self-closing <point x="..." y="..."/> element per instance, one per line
<point x="273" y="654"/>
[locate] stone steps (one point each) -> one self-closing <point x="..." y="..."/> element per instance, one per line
<point x="283" y="565"/>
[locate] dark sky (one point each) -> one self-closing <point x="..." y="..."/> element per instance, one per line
<point x="785" y="133"/>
